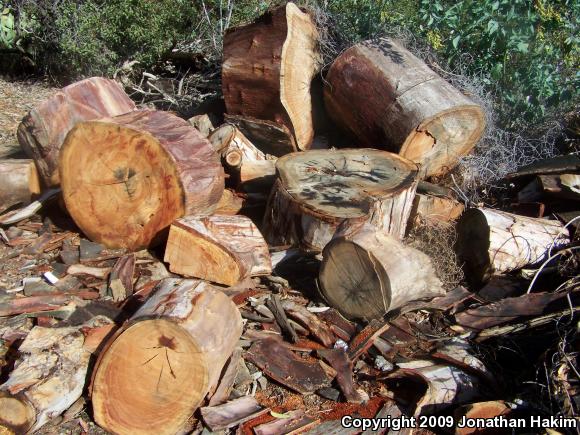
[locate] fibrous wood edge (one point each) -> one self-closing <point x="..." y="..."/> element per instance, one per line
<point x="43" y="130"/>
<point x="222" y="249"/>
<point x="125" y="179"/>
<point x="19" y="182"/>
<point x="493" y="241"/>
<point x="318" y="191"/>
<point x="154" y="374"/>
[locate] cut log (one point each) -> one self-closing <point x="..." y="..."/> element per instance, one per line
<point x="319" y="190"/>
<point x="258" y="176"/>
<point x="50" y="374"/>
<point x="203" y="124"/>
<point x="368" y="274"/>
<point x="268" y="68"/>
<point x="430" y="208"/>
<point x="156" y="372"/>
<point x="229" y="204"/>
<point x="493" y="241"/>
<point x="228" y="139"/>
<point x="386" y="96"/>
<point x="125" y="179"/>
<point x="19" y="183"/>
<point x="43" y="131"/>
<point x="267" y="136"/>
<point x="220" y="249"/>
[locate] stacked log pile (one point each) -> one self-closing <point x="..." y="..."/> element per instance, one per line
<point x="236" y="275"/>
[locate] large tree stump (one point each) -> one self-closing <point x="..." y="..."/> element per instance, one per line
<point x="366" y="273"/>
<point x="221" y="249"/>
<point x="125" y="179"/>
<point x="268" y="67"/>
<point x="319" y="190"/>
<point x="43" y="131"/>
<point x="387" y="97"/>
<point x="157" y="371"/>
<point x="19" y="182"/>
<point x="493" y="241"/>
<point x="49" y="375"/>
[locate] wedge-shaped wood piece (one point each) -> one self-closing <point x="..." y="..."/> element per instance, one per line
<point x="386" y="96"/>
<point x="49" y="375"/>
<point x="268" y="68"/>
<point x="156" y="372"/>
<point x="121" y="278"/>
<point x="232" y="413"/>
<point x="43" y="131"/>
<point x="319" y="191"/>
<point x="19" y="182"/>
<point x="125" y="179"/>
<point x="269" y="137"/>
<point x="494" y="241"/>
<point x="221" y="249"/>
<point x="369" y="273"/>
<point x="282" y="365"/>
<point x="434" y="209"/>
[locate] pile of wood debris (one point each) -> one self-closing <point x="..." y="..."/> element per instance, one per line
<point x="173" y="277"/>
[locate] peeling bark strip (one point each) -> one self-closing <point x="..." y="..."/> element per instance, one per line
<point x="317" y="327"/>
<point x="158" y="369"/>
<point x="232" y="413"/>
<point x="220" y="249"/>
<point x="125" y="179"/>
<point x="43" y="131"/>
<point x="295" y="422"/>
<point x="121" y="278"/>
<point x="386" y="96"/>
<point x="319" y="191"/>
<point x="493" y="241"/>
<point x="338" y="360"/>
<point x="50" y="374"/>
<point x="368" y="274"/>
<point x="268" y="67"/>
<point x="19" y="182"/>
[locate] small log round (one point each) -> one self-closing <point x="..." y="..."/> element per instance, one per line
<point x="319" y="190"/>
<point x="268" y="67"/>
<point x="386" y="96"/>
<point x="19" y="182"/>
<point x="493" y="241"/>
<point x="155" y="373"/>
<point x="125" y="179"/>
<point x="43" y="131"/>
<point x="366" y="273"/>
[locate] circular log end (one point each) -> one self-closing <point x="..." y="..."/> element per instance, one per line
<point x="472" y="246"/>
<point x="150" y="380"/>
<point x="16" y="416"/>
<point x="353" y="282"/>
<point x="119" y="185"/>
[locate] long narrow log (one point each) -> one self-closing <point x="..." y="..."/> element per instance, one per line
<point x="43" y="131"/>
<point x="222" y="249"/>
<point x="319" y="191"/>
<point x="387" y="97"/>
<point x="49" y="375"/>
<point x="493" y="241"/>
<point x="368" y="273"/>
<point x="125" y="179"/>
<point x="19" y="182"/>
<point x="156" y="372"/>
<point x="268" y="67"/>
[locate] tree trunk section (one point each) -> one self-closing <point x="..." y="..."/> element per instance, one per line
<point x="386" y="96"/>
<point x="43" y="131"/>
<point x="493" y="241"/>
<point x="126" y="179"/>
<point x="367" y="273"/>
<point x="431" y="208"/>
<point x="221" y="249"/>
<point x="157" y="371"/>
<point x="267" y="136"/>
<point x="268" y="67"/>
<point x="321" y="190"/>
<point x="19" y="182"/>
<point x="50" y="374"/>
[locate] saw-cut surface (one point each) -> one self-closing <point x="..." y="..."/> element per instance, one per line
<point x="43" y="131"/>
<point x="387" y="97"/>
<point x="19" y="182"/>
<point x="126" y="179"/>
<point x="268" y="67"/>
<point x="319" y="190"/>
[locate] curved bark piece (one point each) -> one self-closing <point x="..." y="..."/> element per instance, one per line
<point x="367" y="274"/>
<point x="386" y="96"/>
<point x="319" y="190"/>
<point x="125" y="179"/>
<point x="19" y="182"/>
<point x="222" y="249"/>
<point x="43" y="131"/>
<point x="493" y="241"/>
<point x="268" y="67"/>
<point x="156" y="372"/>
